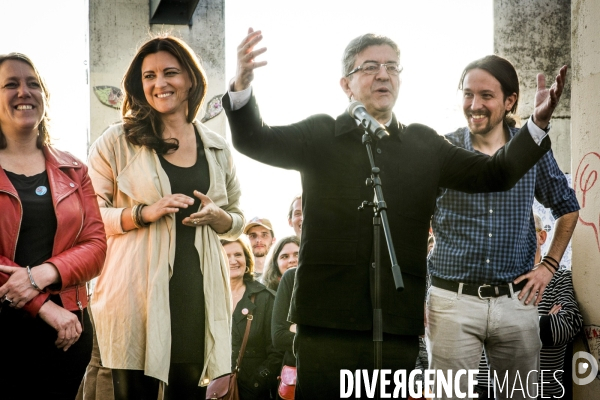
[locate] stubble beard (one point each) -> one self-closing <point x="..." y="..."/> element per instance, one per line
<point x="260" y="253"/>
<point x="481" y="131"/>
<point x="485" y="129"/>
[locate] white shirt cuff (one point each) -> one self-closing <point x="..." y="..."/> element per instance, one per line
<point x="241" y="98"/>
<point x="537" y="133"/>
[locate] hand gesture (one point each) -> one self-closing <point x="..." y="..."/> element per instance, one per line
<point x="537" y="280"/>
<point x="546" y="100"/>
<point x="64" y="322"/>
<point x="209" y="214"/>
<point x="555" y="309"/>
<point x="167" y="205"/>
<point x="245" y="60"/>
<point x="17" y="290"/>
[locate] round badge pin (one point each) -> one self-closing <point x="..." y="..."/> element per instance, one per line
<point x="41" y="190"/>
<point x="245" y="311"/>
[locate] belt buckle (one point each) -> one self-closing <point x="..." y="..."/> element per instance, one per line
<point x="479" y="292"/>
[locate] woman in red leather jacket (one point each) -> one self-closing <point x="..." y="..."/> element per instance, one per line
<point x="52" y="242"/>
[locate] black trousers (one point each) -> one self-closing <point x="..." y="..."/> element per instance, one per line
<point x="322" y="353"/>
<point x="183" y="384"/>
<point x="32" y="366"/>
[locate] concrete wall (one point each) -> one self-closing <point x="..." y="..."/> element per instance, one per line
<point x="535" y="35"/>
<point x="540" y="36"/>
<point x="585" y="142"/>
<point x="118" y="27"/>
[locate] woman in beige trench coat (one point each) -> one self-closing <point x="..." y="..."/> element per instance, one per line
<point x="167" y="191"/>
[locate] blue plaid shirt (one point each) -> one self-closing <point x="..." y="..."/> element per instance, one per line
<point x="490" y="237"/>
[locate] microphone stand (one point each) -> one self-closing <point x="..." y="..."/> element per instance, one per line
<point x="379" y="219"/>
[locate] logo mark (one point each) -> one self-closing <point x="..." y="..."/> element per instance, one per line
<point x="589" y="367"/>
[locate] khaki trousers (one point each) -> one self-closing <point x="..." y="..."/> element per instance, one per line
<point x="459" y="326"/>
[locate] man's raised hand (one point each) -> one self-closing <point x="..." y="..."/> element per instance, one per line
<point x="546" y="100"/>
<point x="245" y="60"/>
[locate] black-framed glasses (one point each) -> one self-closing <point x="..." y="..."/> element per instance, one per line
<point x="372" y="68"/>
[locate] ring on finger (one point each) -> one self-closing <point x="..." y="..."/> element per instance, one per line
<point x="7" y="299"/>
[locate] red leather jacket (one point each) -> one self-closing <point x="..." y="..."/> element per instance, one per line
<point x="80" y="242"/>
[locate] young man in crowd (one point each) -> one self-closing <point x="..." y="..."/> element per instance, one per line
<point x="261" y="237"/>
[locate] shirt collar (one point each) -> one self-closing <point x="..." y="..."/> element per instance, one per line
<point x="209" y="138"/>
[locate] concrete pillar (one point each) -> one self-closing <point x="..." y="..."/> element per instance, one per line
<point x="539" y="36"/>
<point x="535" y="35"/>
<point x="585" y="143"/>
<point x="118" y="27"/>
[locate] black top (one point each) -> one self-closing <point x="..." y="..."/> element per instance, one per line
<point x="334" y="280"/>
<point x="38" y="225"/>
<point x="261" y="363"/>
<point x="186" y="293"/>
<point x="283" y="338"/>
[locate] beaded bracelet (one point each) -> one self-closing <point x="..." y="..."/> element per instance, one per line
<point x="35" y="286"/>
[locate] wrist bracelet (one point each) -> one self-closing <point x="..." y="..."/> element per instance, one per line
<point x="134" y="211"/>
<point x="35" y="286"/>
<point x="553" y="264"/>
<point x="139" y="218"/>
<point x="556" y="263"/>
<point x="548" y="268"/>
<point x="136" y="216"/>
<point x="548" y="264"/>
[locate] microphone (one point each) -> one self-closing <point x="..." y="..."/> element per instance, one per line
<point x="357" y="110"/>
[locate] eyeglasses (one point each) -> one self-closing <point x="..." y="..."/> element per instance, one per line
<point x="538" y="230"/>
<point x="372" y="68"/>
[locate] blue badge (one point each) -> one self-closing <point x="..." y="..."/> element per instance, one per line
<point x="41" y="190"/>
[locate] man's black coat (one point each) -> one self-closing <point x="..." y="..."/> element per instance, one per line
<point x="334" y="281"/>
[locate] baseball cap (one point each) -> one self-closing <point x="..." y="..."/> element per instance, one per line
<point x="256" y="221"/>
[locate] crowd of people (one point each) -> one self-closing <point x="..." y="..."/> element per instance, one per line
<point x="185" y="281"/>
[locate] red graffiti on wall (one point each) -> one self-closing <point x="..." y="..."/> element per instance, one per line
<point x="585" y="179"/>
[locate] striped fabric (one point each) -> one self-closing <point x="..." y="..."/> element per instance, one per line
<point x="557" y="330"/>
